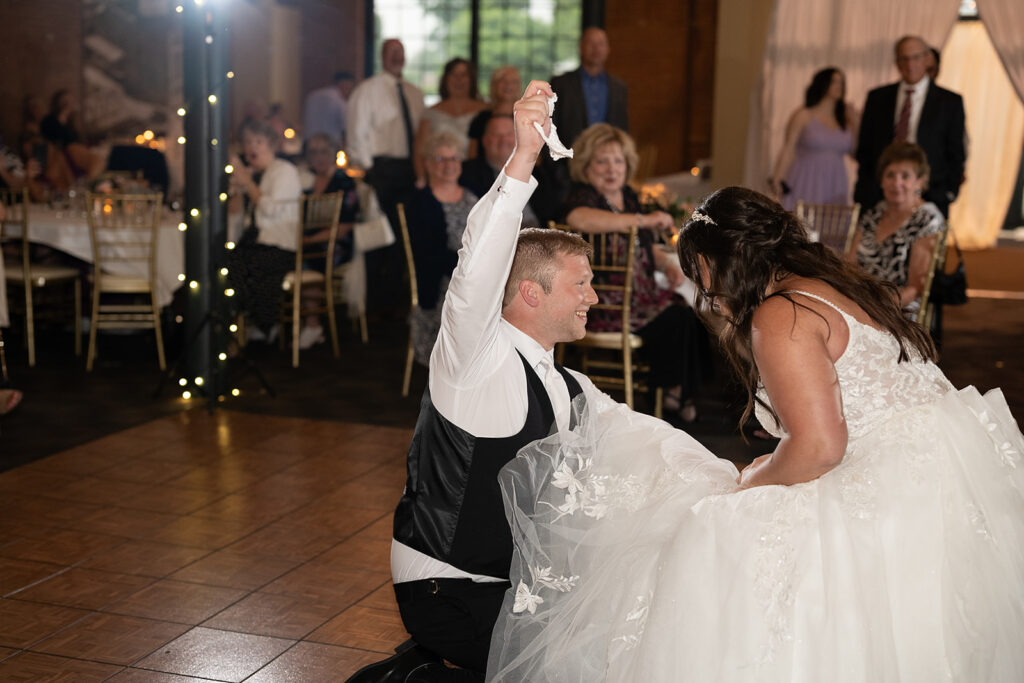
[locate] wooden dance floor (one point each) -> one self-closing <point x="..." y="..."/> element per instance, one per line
<point x="226" y="547"/>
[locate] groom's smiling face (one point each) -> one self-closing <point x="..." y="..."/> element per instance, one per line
<point x="563" y="311"/>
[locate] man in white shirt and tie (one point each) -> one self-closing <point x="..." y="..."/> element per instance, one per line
<point x="493" y="388"/>
<point x="913" y="110"/>
<point x="383" y="113"/>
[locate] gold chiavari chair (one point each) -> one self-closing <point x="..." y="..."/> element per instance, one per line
<point x="124" y="231"/>
<point x="834" y="225"/>
<point x="315" y="244"/>
<point x="414" y="296"/>
<point x="613" y="282"/>
<point x="30" y="277"/>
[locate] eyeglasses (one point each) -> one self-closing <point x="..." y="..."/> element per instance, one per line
<point x="313" y="151"/>
<point x="446" y="160"/>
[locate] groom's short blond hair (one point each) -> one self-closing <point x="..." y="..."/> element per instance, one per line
<point x="537" y="255"/>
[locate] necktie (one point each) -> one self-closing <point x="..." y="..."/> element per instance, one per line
<point x="902" y="130"/>
<point x="405" y="117"/>
<point x="557" y="390"/>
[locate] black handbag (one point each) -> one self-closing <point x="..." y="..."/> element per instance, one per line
<point x="950" y="289"/>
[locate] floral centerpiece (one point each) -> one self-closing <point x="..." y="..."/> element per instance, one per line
<point x="657" y="198"/>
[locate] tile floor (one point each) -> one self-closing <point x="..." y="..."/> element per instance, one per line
<point x="224" y="547"/>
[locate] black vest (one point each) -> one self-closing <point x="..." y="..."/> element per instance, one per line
<point x="452" y="508"/>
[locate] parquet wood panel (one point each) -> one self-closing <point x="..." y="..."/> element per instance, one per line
<point x="229" y="547"/>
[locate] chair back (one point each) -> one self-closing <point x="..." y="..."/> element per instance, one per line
<point x="936" y="262"/>
<point x="319" y="231"/>
<point x="14" y="227"/>
<point x="647" y="159"/>
<point x="834" y="225"/>
<point x="414" y="295"/>
<point x="123" y="229"/>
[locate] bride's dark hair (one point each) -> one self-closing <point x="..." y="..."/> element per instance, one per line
<point x="753" y="242"/>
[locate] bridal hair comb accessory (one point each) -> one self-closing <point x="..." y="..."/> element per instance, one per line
<point x="699" y="215"/>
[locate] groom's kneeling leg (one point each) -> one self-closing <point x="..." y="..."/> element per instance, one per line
<point x="452" y="617"/>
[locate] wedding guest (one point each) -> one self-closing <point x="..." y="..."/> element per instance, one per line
<point x="812" y="163"/>
<point x="265" y="192"/>
<point x="328" y="178"/>
<point x="589" y="94"/>
<point x="601" y="200"/>
<point x="506" y="85"/>
<point x="436" y="216"/>
<point x="895" y="238"/>
<point x="16" y="175"/>
<point x="61" y="128"/>
<point x="324" y="111"/>
<point x="383" y="113"/>
<point x="478" y="174"/>
<point x="913" y="110"/>
<point x="459" y="104"/>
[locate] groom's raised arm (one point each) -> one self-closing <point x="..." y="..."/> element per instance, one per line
<point x="465" y="346"/>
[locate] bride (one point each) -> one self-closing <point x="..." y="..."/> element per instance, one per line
<point x="882" y="540"/>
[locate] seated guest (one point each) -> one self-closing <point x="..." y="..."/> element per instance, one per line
<point x="478" y="174"/>
<point x="505" y="88"/>
<point x="321" y="154"/>
<point x="15" y="175"/>
<point x="436" y="216"/>
<point x="895" y="239"/>
<point x="265" y="192"/>
<point x="60" y="128"/>
<point x="600" y="200"/>
<point x="459" y="104"/>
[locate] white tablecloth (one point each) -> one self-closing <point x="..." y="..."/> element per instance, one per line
<point x="68" y="231"/>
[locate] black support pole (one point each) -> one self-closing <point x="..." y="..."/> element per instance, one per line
<point x="205" y="42"/>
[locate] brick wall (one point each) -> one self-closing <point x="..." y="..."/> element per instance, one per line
<point x="665" y="51"/>
<point x="40" y="53"/>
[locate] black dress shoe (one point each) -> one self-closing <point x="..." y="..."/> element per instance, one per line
<point x="395" y="668"/>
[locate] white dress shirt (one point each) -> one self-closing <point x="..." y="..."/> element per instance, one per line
<point x="476" y="377"/>
<point x="277" y="213"/>
<point x="375" y="124"/>
<point x="916" y="105"/>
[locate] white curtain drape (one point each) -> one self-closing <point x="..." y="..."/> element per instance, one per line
<point x="1004" y="21"/>
<point x="855" y="35"/>
<point x="995" y="127"/>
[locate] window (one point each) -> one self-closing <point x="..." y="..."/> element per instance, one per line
<point x="540" y="37"/>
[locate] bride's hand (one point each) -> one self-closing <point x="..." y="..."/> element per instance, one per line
<point x="748" y="471"/>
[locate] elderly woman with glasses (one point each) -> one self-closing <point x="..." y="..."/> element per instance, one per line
<point x="436" y="216"/>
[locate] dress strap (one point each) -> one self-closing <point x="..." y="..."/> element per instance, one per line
<point x="817" y="298"/>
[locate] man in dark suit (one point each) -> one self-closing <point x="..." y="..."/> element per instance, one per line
<point x="589" y="94"/>
<point x="915" y="110"/>
<point x="478" y="173"/>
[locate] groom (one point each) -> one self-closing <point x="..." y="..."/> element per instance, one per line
<point x="493" y="388"/>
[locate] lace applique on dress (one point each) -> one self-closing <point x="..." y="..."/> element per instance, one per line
<point x="528" y="597"/>
<point x="632" y="629"/>
<point x="874" y="386"/>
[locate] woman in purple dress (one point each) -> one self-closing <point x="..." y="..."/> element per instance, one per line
<point x="811" y="165"/>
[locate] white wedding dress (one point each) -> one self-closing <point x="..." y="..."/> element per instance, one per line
<point x="904" y="563"/>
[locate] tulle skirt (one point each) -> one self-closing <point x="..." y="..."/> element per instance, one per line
<point x="639" y="562"/>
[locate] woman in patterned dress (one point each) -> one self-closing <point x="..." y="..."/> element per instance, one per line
<point x="600" y="200"/>
<point x="895" y="239"/>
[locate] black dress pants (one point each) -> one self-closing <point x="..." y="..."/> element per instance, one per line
<point x="452" y="618"/>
